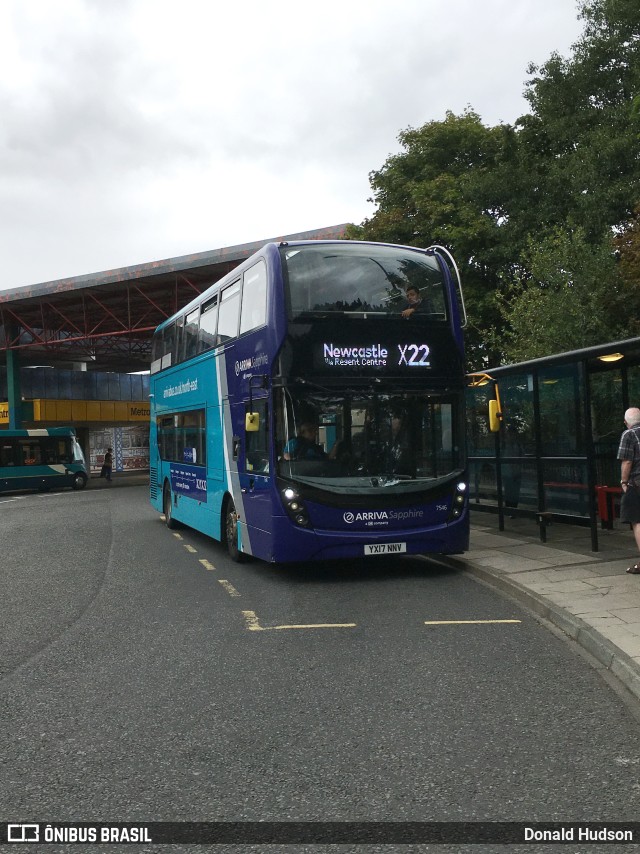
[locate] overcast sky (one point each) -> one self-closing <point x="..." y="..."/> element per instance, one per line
<point x="139" y="130"/>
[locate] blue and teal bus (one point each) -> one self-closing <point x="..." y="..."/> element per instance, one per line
<point x="46" y="458"/>
<point x="310" y="405"/>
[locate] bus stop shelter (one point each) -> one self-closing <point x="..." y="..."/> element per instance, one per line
<point x="554" y="457"/>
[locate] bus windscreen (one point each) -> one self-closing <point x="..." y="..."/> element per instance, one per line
<point x="371" y="279"/>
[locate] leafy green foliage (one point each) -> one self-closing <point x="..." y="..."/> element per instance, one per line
<point x="567" y="300"/>
<point x="530" y="212"/>
<point x="627" y="244"/>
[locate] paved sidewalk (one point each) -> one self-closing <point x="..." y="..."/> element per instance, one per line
<point x="119" y="478"/>
<point x="586" y="594"/>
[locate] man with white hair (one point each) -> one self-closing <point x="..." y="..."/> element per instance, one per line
<point x="629" y="454"/>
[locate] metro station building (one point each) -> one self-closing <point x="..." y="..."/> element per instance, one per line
<point x="77" y="351"/>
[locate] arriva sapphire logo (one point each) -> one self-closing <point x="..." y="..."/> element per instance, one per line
<point x="252" y="363"/>
<point x="366" y="516"/>
<point x="373" y="518"/>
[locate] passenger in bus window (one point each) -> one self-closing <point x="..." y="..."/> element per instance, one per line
<point x="415" y="303"/>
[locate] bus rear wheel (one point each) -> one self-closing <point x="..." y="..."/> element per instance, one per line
<point x="231" y="532"/>
<point x="167" y="507"/>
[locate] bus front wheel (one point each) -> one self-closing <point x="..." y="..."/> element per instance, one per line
<point x="167" y="508"/>
<point x="79" y="480"/>
<point x="231" y="532"/>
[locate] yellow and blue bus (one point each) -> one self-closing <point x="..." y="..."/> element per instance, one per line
<point x="310" y="405"/>
<point x="42" y="459"/>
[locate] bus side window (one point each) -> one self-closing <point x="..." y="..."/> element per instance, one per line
<point x="229" y="311"/>
<point x="168" y="339"/>
<point x="208" y="325"/>
<point x="178" y="345"/>
<point x="257" y="443"/>
<point x="31" y="453"/>
<point x="254" y="298"/>
<point x="191" y="326"/>
<point x="8" y="450"/>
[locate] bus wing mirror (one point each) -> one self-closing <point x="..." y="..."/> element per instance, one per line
<point x="252" y="422"/>
<point x="495" y="416"/>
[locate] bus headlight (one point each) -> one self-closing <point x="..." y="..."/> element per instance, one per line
<point x="459" y="500"/>
<point x="295" y="507"/>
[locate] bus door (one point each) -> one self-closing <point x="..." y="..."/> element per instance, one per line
<point x="254" y="470"/>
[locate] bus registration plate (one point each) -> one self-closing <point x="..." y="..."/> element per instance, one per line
<point x="385" y="548"/>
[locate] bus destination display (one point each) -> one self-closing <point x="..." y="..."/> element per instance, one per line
<point x="376" y="355"/>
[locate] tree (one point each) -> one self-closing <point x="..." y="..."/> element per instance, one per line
<point x="575" y="185"/>
<point x="579" y="149"/>
<point x="569" y="299"/>
<point x="627" y="244"/>
<point x="438" y="190"/>
<point x="530" y="211"/>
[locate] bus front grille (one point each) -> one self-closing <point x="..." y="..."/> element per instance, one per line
<point x="153" y="483"/>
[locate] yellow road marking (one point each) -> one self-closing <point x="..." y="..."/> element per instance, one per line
<point x="231" y="590"/>
<point x="466" y="622"/>
<point x="207" y="565"/>
<point x="190" y="548"/>
<point x="252" y="621"/>
<point x="315" y="626"/>
<point x="177" y="536"/>
<point x="253" y="624"/>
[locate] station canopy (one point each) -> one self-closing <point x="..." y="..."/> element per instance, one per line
<point x="106" y="320"/>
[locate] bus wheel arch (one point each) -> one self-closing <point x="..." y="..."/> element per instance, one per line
<point x="167" y="506"/>
<point x="229" y="530"/>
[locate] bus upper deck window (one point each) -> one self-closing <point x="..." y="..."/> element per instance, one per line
<point x="254" y="298"/>
<point x="229" y="312"/>
<point x="208" y="325"/>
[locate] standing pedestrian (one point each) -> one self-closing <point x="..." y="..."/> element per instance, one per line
<point x="629" y="455"/>
<point x="107" y="465"/>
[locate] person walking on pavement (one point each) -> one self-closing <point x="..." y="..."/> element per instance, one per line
<point x="629" y="455"/>
<point x="107" y="466"/>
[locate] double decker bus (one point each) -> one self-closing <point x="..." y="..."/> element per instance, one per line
<point x="310" y="405"/>
<point x="43" y="458"/>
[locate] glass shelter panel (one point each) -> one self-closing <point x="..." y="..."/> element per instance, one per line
<point x="520" y="486"/>
<point x="633" y="385"/>
<point x="517" y="435"/>
<point x="566" y="487"/>
<point x="480" y="440"/>
<point x="607" y="413"/>
<point x="561" y="393"/>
